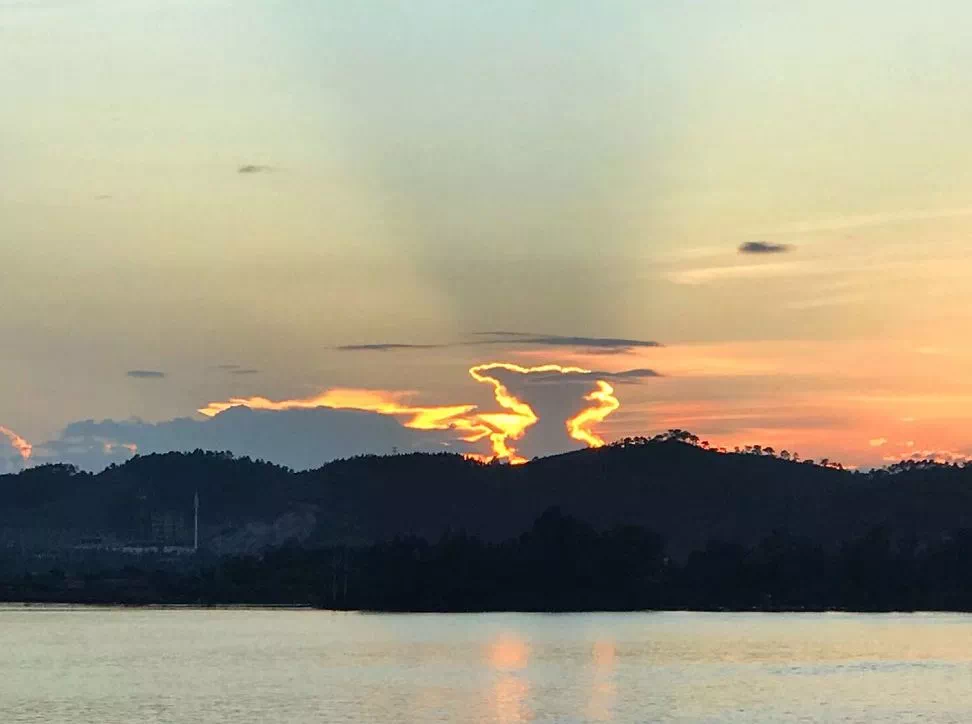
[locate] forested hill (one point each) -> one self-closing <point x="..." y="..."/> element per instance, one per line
<point x="688" y="495"/>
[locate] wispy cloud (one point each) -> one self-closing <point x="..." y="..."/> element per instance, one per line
<point x="506" y="338"/>
<point x="235" y="369"/>
<point x="833" y="300"/>
<point x="763" y="247"/>
<point x="386" y="347"/>
<point x="635" y="374"/>
<point x="877" y="219"/>
<point x="707" y="275"/>
<point x="556" y="340"/>
<point x="632" y="376"/>
<point x="145" y="374"/>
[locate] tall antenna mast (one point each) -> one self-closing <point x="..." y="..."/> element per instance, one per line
<point x="195" y="524"/>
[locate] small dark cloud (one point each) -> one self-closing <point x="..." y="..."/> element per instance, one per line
<point x="244" y="371"/>
<point x="763" y="247"/>
<point x="386" y="347"/>
<point x="145" y="374"/>
<point x="253" y="168"/>
<point x="227" y="367"/>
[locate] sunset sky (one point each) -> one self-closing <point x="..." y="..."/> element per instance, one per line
<point x="203" y="200"/>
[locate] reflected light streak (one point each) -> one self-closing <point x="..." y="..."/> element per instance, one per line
<point x="604" y="690"/>
<point x="509" y="700"/>
<point x="508" y="655"/>
<point x="508" y="652"/>
<point x="604" y="654"/>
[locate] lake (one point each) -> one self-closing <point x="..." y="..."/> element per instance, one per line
<point x="187" y="666"/>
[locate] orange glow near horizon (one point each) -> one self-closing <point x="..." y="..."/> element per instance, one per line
<point x="501" y="428"/>
<point x="24" y="448"/>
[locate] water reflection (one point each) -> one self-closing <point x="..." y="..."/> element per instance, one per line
<point x="604" y="653"/>
<point x="249" y="667"/>
<point x="508" y="656"/>
<point x="604" y="688"/>
<point x="508" y="651"/>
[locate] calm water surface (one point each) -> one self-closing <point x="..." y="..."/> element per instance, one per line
<point x="105" y="666"/>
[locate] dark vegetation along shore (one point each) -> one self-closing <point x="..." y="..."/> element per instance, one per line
<point x="656" y="523"/>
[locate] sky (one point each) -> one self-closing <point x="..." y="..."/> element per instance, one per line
<point x="205" y="200"/>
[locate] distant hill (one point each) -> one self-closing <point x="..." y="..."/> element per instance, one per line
<point x="669" y="485"/>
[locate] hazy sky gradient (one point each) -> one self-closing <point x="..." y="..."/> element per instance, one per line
<point x="423" y="171"/>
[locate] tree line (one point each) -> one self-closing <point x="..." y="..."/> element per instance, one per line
<point x="560" y="564"/>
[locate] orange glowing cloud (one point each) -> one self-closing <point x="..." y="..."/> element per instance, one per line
<point x="578" y="427"/>
<point x="24" y="448"/>
<point x="381" y="401"/>
<point x="512" y="425"/>
<point x="110" y="447"/>
<point x="501" y="428"/>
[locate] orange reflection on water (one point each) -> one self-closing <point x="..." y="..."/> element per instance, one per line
<point x="604" y="689"/>
<point x="508" y="652"/>
<point x="604" y="653"/>
<point x="508" y="699"/>
<point x="508" y="655"/>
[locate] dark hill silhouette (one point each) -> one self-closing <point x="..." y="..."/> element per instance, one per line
<point x="669" y="485"/>
<point x="642" y="524"/>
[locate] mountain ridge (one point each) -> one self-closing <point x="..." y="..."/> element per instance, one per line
<point x="669" y="484"/>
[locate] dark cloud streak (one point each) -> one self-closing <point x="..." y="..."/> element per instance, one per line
<point x="556" y="340"/>
<point x="763" y="247"/>
<point x="600" y="344"/>
<point x="632" y="376"/>
<point x="386" y="347"/>
<point x="145" y="374"/>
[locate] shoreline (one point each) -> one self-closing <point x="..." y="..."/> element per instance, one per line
<point x="84" y="605"/>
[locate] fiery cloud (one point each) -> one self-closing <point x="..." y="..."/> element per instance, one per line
<point x="578" y="427"/>
<point x="512" y="425"/>
<point x="24" y="448"/>
<point x="380" y="401"/>
<point x="500" y="428"/>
